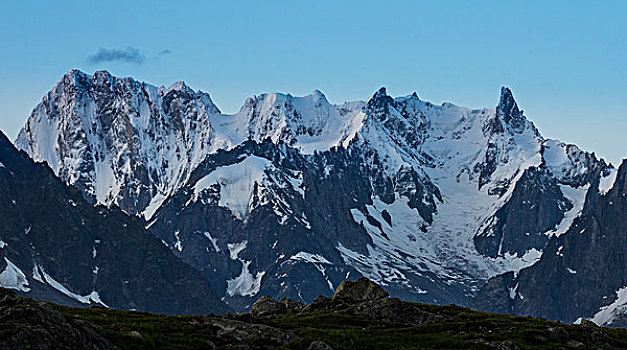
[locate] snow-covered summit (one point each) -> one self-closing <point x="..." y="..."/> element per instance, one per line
<point x="123" y="142"/>
<point x="309" y="123"/>
<point x="133" y="144"/>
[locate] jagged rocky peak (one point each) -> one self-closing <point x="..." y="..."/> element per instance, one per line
<point x="309" y="123"/>
<point x="103" y="77"/>
<point x="103" y="82"/>
<point x="380" y="101"/>
<point x="582" y="272"/>
<point x="571" y="165"/>
<point x="507" y="109"/>
<point x="318" y="95"/>
<point x="121" y="141"/>
<point x="181" y="89"/>
<point x="284" y="117"/>
<point x="179" y="86"/>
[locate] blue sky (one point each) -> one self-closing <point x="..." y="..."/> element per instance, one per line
<point x="564" y="60"/>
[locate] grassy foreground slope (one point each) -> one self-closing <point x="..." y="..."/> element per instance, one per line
<point x="356" y="319"/>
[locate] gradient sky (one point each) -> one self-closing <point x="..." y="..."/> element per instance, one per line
<point x="564" y="60"/>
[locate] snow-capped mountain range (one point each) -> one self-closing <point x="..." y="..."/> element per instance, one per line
<point x="291" y="195"/>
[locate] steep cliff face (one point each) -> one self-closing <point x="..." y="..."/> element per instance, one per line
<point x="582" y="272"/>
<point x="537" y="206"/>
<point x="56" y="246"/>
<point x="291" y="195"/>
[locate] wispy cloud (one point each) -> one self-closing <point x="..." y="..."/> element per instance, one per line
<point x="165" y="52"/>
<point x="128" y="55"/>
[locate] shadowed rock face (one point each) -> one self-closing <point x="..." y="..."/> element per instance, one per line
<point x="61" y="248"/>
<point x="536" y="206"/>
<point x="580" y="272"/>
<point x="361" y="289"/>
<point x="507" y="109"/>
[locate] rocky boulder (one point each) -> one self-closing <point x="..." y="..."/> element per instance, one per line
<point x="319" y="345"/>
<point x="359" y="290"/>
<point x="28" y="324"/>
<point x="266" y="306"/>
<point x="396" y="311"/>
<point x="292" y="305"/>
<point x="321" y="302"/>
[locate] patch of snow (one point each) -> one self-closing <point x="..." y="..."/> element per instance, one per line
<point x="577" y="196"/>
<point x="2" y="244"/>
<point x="13" y="278"/>
<point x="236" y="248"/>
<point x="559" y="251"/>
<point x="317" y="261"/>
<point x="214" y="241"/>
<point x="384" y="264"/>
<point x="90" y="298"/>
<point x="571" y="271"/>
<point x="555" y="156"/>
<point x="37" y="274"/>
<point x="607" y="314"/>
<point x="95" y="297"/>
<point x="155" y="203"/>
<point x="236" y="183"/>
<point x="377" y="266"/>
<point x="512" y="292"/>
<point x="516" y="263"/>
<point x="606" y="183"/>
<point x="330" y="284"/>
<point x="178" y="244"/>
<point x="309" y="257"/>
<point x="296" y="182"/>
<point x="245" y="284"/>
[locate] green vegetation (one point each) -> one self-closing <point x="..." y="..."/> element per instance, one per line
<point x="466" y="329"/>
<point x="381" y="323"/>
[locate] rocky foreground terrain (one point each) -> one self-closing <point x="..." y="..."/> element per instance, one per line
<point x="360" y="315"/>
